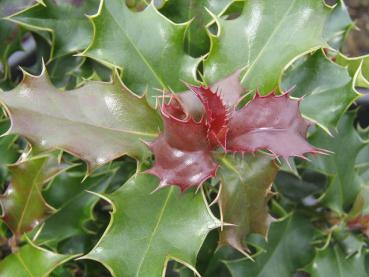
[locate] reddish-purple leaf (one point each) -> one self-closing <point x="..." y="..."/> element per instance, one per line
<point x="182" y="152"/>
<point x="216" y="115"/>
<point x="272" y="123"/>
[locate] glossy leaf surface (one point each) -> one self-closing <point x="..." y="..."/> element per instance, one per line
<point x="264" y="29"/>
<point x="31" y="260"/>
<point x="22" y="203"/>
<point x="98" y="122"/>
<point x="327" y="89"/>
<point x="160" y="226"/>
<point x="151" y="44"/>
<point x="272" y="123"/>
<point x="246" y="184"/>
<point x="69" y="35"/>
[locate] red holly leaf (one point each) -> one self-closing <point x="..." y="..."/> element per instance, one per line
<point x="272" y="123"/>
<point x="359" y="223"/>
<point x="216" y="114"/>
<point x="182" y="152"/>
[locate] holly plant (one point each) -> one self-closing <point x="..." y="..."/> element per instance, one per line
<point x="181" y="138"/>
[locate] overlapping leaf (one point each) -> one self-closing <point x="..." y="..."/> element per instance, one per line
<point x="183" y="151"/>
<point x="327" y="89"/>
<point x="98" y="122"/>
<point x="146" y="45"/>
<point x="66" y="20"/>
<point x="197" y="40"/>
<point x="333" y="261"/>
<point x="31" y="260"/>
<point x="265" y="28"/>
<point x="358" y="66"/>
<point x="345" y="145"/>
<point x="244" y="195"/>
<point x="22" y="203"/>
<point x="288" y="249"/>
<point x="73" y="202"/>
<point x="161" y="226"/>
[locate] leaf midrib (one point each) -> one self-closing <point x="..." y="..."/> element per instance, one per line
<point x="20" y="259"/>
<point x="268" y="41"/>
<point x="93" y="126"/>
<point x="34" y="185"/>
<point x="154" y="231"/>
<point x="157" y="77"/>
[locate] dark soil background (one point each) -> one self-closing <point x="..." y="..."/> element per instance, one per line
<point x="358" y="40"/>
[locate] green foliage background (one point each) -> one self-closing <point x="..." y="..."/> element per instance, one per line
<point x="59" y="221"/>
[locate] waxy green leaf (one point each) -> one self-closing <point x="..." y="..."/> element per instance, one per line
<point x="327" y="89"/>
<point x="22" y="203"/>
<point x="66" y="20"/>
<point x="245" y="191"/>
<point x="345" y="145"/>
<point x="31" y="261"/>
<point x="8" y="148"/>
<point x="332" y="261"/>
<point x="357" y="66"/>
<point x="160" y="226"/>
<point x="266" y="38"/>
<point x="197" y="40"/>
<point x="73" y="200"/>
<point x="98" y="122"/>
<point x="288" y="249"/>
<point x="146" y="45"/>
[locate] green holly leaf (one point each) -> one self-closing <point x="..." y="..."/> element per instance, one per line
<point x="66" y="20"/>
<point x="265" y="27"/>
<point x="31" y="260"/>
<point x="98" y="122"/>
<point x="332" y="261"/>
<point x="338" y="23"/>
<point x="10" y="37"/>
<point x="8" y="148"/>
<point x="197" y="41"/>
<point x="345" y="145"/>
<point x="357" y="66"/>
<point x="298" y="188"/>
<point x="153" y="55"/>
<point x="22" y="203"/>
<point x="160" y="226"/>
<point x="246" y="184"/>
<point x="327" y="89"/>
<point x="71" y="196"/>
<point x="288" y="249"/>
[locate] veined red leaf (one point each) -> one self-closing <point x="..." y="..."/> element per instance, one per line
<point x="216" y="113"/>
<point x="182" y="152"/>
<point x="272" y="123"/>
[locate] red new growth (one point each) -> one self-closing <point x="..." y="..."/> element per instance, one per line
<point x="183" y="151"/>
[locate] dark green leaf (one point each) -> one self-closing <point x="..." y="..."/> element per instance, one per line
<point x="288" y="249"/>
<point x="159" y="226"/>
<point x="327" y="89"/>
